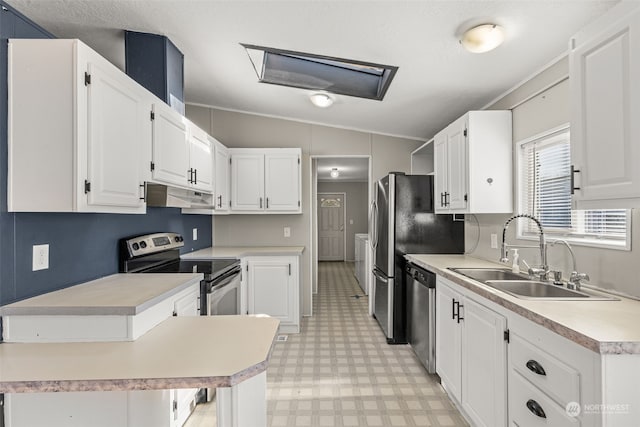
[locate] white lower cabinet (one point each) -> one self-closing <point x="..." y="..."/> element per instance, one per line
<point x="471" y="355"/>
<point x="158" y="408"/>
<point x="273" y="288"/>
<point x="552" y="381"/>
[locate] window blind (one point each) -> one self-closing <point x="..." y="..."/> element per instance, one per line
<point x="545" y="192"/>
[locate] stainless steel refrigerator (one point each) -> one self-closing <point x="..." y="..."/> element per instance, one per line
<point x="403" y="221"/>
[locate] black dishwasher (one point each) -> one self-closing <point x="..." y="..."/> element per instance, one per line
<point x="421" y="314"/>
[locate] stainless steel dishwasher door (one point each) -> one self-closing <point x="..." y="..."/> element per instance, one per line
<point x="421" y="310"/>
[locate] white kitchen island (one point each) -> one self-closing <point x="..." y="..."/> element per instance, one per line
<point x="115" y="348"/>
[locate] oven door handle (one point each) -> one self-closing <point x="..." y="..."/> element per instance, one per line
<point x="225" y="279"/>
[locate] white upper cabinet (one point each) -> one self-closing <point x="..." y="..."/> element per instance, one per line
<point x="282" y="181"/>
<point x="221" y="182"/>
<point x="182" y="153"/>
<point x="85" y="152"/>
<point x="200" y="159"/>
<point x="247" y="181"/>
<point x="265" y="180"/>
<point x="170" y="146"/>
<point x="605" y="94"/>
<point x="473" y="164"/>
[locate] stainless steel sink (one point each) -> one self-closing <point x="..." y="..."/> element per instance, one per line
<point x="520" y="286"/>
<point x="484" y="274"/>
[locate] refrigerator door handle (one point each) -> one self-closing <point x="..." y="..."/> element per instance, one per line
<point x="374" y="231"/>
<point x="379" y="276"/>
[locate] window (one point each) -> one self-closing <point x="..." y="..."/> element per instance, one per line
<point x="545" y="192"/>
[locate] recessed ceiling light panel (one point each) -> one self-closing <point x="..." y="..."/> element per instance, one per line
<point x="317" y="72"/>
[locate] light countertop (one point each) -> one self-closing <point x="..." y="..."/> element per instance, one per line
<point x="242" y="251"/>
<point x="118" y="294"/>
<point x="225" y="351"/>
<point x="606" y="327"/>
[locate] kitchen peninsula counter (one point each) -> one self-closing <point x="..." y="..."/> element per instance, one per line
<point x="226" y="351"/>
<point x="118" y="294"/>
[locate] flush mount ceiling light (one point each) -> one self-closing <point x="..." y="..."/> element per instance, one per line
<point x="334" y="173"/>
<point x="482" y="38"/>
<point x="320" y="73"/>
<point x="321" y="99"/>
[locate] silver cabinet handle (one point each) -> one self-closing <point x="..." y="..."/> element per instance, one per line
<point x="260" y="202"/>
<point x="267" y="203"/>
<point x="219" y="201"/>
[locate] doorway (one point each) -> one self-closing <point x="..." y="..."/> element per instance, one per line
<point x="352" y="180"/>
<point x="331" y="231"/>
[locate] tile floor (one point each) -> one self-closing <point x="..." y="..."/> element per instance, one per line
<point x="339" y="371"/>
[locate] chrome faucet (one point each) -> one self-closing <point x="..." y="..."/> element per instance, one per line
<point x="543" y="270"/>
<point x="575" y="278"/>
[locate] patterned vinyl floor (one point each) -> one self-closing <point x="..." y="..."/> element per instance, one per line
<point x="339" y="371"/>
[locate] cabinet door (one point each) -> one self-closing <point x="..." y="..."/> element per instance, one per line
<point x="221" y="182"/>
<point x="604" y="122"/>
<point x="448" y="338"/>
<point x="282" y="182"/>
<point x="170" y="147"/>
<point x="456" y="198"/>
<point x="484" y="365"/>
<point x="116" y="116"/>
<point x="247" y="182"/>
<point x="270" y="288"/>
<point x="200" y="160"/>
<point x="441" y="167"/>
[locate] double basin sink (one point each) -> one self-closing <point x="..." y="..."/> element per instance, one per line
<point x="521" y="286"/>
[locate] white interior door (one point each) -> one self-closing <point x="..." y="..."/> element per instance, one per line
<point x="331" y="227"/>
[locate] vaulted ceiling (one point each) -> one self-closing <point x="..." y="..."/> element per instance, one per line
<point x="436" y="82"/>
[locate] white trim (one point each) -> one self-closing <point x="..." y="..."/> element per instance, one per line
<point x="311" y="122"/>
<point x="574" y="239"/>
<point x="530" y="77"/>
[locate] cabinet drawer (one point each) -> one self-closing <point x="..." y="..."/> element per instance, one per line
<point x="556" y="379"/>
<point x="523" y="394"/>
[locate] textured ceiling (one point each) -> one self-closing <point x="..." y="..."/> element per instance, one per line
<point x="437" y="80"/>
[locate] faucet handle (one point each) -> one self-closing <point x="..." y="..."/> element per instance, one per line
<point x="576" y="278"/>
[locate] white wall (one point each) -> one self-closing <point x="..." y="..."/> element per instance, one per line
<point x="246" y="130"/>
<point x="357" y="199"/>
<point x="542" y="104"/>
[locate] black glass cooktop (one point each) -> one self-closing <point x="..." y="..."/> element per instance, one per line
<point x="210" y="268"/>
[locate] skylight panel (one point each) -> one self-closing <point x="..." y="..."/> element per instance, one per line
<point x="317" y="72"/>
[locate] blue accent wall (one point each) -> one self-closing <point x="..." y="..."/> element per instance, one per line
<point x="82" y="247"/>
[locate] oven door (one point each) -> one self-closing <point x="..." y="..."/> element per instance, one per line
<point x="224" y="296"/>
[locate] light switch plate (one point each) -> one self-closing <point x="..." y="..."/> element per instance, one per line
<point x="494" y="241"/>
<point x="287" y="232"/>
<point x="350" y="222"/>
<point x="195" y="234"/>
<point x="40" y="257"/>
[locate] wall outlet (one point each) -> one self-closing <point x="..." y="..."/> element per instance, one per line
<point x="195" y="234"/>
<point x="287" y="232"/>
<point x="40" y="257"/>
<point x="350" y="222"/>
<point x="494" y="241"/>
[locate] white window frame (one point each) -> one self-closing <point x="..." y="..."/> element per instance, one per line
<point x="574" y="238"/>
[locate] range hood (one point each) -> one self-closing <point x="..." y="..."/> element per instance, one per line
<point x="159" y="195"/>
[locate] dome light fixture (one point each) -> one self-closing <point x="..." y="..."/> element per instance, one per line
<point x="321" y="99"/>
<point x="482" y="38"/>
<point x="334" y="173"/>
